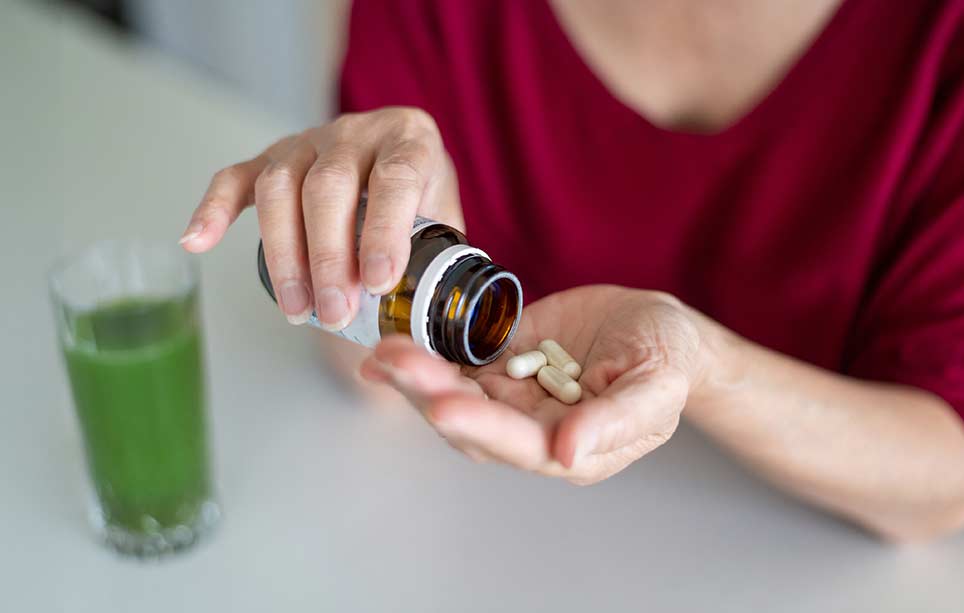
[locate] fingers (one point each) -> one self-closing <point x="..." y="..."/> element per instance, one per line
<point x="583" y="444"/>
<point x="230" y="192"/>
<point x="409" y="158"/>
<point x="329" y="199"/>
<point x="639" y="408"/>
<point x="278" y="197"/>
<point x="419" y="375"/>
<point x="307" y="186"/>
<point x="458" y="408"/>
<point x="499" y="430"/>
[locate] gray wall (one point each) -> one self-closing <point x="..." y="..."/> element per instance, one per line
<point x="281" y="52"/>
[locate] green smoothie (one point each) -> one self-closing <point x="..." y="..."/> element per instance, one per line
<point x="136" y="373"/>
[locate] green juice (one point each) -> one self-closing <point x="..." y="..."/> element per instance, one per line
<point x="138" y="385"/>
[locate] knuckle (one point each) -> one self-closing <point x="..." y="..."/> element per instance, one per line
<point x="326" y="261"/>
<point x="229" y="174"/>
<point x="405" y="168"/>
<point x="415" y="120"/>
<point x="276" y="177"/>
<point x="665" y="303"/>
<point x="279" y="254"/>
<point x="346" y="122"/>
<point x="379" y="227"/>
<point x="212" y="204"/>
<point x="417" y="151"/>
<point x="336" y="172"/>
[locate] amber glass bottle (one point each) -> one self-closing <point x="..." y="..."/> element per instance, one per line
<point x="452" y="300"/>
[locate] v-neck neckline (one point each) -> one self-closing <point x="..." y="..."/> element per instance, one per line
<point x="749" y="120"/>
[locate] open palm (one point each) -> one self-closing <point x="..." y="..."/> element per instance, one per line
<point x="637" y="350"/>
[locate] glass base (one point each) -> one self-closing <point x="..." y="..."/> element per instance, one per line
<point x="159" y="542"/>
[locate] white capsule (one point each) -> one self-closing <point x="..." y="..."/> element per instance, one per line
<point x="558" y="357"/>
<point x="525" y="364"/>
<point x="559" y="384"/>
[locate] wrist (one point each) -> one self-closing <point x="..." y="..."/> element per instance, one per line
<point x="719" y="365"/>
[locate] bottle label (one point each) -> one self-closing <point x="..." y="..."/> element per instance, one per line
<point x="364" y="328"/>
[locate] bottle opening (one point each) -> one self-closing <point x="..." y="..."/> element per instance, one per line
<point x="476" y="312"/>
<point x="493" y="319"/>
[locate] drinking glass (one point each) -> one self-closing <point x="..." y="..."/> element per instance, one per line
<point x="128" y="321"/>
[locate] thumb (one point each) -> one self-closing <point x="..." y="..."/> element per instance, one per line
<point x="636" y="405"/>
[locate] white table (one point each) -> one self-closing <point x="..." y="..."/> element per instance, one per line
<point x="331" y="505"/>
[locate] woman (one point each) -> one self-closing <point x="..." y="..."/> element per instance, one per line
<point x="773" y="194"/>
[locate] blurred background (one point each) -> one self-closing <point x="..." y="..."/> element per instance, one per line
<point x="283" y="54"/>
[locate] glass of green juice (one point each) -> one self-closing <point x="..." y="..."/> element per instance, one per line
<point x="128" y="320"/>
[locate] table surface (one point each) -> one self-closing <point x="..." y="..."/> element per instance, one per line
<point x="332" y="505"/>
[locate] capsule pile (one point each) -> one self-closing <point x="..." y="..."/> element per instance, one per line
<point x="553" y="367"/>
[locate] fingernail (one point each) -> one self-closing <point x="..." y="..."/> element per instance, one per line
<point x="585" y="446"/>
<point x="332" y="309"/>
<point x="377" y="273"/>
<point x="295" y="302"/>
<point x="193" y="231"/>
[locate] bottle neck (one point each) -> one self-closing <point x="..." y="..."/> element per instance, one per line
<point x="475" y="311"/>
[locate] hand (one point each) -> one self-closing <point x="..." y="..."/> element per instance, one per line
<point x="306" y="188"/>
<point x="641" y="357"/>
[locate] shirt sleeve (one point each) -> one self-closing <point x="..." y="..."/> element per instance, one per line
<point x="910" y="329"/>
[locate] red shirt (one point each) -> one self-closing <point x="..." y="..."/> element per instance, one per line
<point x="827" y="223"/>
